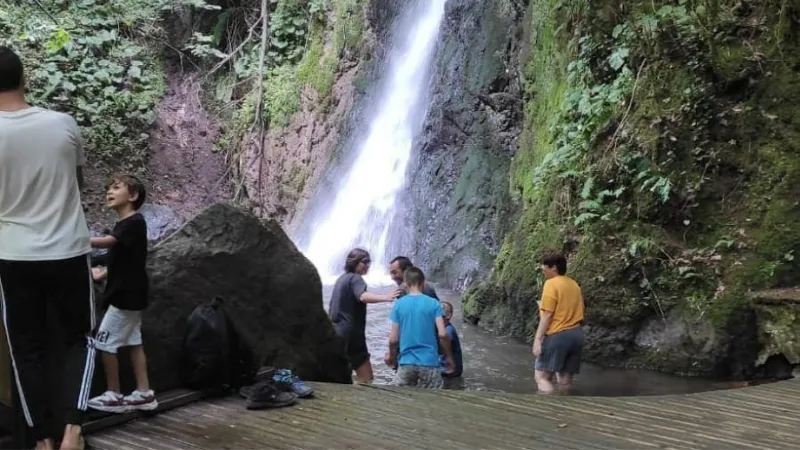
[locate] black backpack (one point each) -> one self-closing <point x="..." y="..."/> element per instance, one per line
<point x="215" y="354"/>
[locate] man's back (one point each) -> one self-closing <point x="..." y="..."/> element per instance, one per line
<point x="416" y="314"/>
<point x="41" y="217"/>
<point x="563" y="297"/>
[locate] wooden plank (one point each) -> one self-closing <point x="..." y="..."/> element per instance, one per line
<point x="166" y="401"/>
<point x="350" y="417"/>
<point x="97" y="420"/>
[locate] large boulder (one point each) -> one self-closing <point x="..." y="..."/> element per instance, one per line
<point x="272" y="292"/>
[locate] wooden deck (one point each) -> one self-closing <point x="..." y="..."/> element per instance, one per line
<point x="355" y="417"/>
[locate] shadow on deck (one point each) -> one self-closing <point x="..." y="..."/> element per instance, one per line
<point x="355" y="417"/>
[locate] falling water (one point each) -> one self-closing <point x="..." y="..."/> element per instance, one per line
<point x="364" y="207"/>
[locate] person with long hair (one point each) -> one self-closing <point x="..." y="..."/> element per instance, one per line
<point x="348" y="311"/>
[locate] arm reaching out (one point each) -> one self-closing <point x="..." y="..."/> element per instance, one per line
<point x="103" y="242"/>
<point x="369" y="297"/>
<point x="359" y="288"/>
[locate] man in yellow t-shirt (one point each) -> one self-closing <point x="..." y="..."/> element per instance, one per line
<point x="559" y="337"/>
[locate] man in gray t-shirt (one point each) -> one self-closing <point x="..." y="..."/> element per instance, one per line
<point x="397" y="268"/>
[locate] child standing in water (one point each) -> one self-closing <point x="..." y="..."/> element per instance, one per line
<point x="412" y="346"/>
<point x="455" y="344"/>
<point x="125" y="297"/>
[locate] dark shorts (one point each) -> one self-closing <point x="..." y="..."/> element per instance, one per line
<point x="561" y="352"/>
<point x="356" y="350"/>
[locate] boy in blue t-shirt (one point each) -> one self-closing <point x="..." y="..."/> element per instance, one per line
<point x="455" y="344"/>
<point x="412" y="346"/>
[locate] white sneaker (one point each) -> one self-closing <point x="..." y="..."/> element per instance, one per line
<point x="109" y="402"/>
<point x="144" y="401"/>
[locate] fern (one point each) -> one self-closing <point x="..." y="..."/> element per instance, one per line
<point x="591" y="205"/>
<point x="585" y="217"/>
<point x="587" y="188"/>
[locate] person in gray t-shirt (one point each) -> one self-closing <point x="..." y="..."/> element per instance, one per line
<point x="348" y="312"/>
<point x="397" y="268"/>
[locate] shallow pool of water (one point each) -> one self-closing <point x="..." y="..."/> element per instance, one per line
<point x="493" y="363"/>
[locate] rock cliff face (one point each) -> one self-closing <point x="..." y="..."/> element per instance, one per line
<point x="282" y="177"/>
<point x="663" y="160"/>
<point x="458" y="182"/>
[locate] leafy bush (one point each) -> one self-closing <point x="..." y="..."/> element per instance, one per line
<point x="94" y="61"/>
<point x="281" y="95"/>
<point x="657" y="150"/>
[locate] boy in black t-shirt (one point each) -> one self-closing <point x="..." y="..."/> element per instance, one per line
<point x="125" y="297"/>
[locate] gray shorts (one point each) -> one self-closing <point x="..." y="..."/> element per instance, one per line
<point x="561" y="352"/>
<point x="419" y="376"/>
<point x="119" y="328"/>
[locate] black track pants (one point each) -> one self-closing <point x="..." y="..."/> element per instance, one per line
<point x="27" y="289"/>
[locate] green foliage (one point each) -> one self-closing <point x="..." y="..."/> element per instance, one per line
<point x="592" y="126"/>
<point x="95" y="63"/>
<point x="304" y="52"/>
<point x="202" y="46"/>
<point x="317" y="69"/>
<point x="348" y="26"/>
<point x="281" y="95"/>
<point x="659" y="144"/>
<point x="288" y="28"/>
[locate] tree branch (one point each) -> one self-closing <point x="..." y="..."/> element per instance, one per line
<point x="237" y="49"/>
<point x="52" y="17"/>
<point x="264" y="36"/>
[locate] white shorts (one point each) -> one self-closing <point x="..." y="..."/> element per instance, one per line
<point x="119" y="328"/>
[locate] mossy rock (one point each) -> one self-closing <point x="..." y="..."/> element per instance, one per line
<point x="778" y="313"/>
<point x="714" y="115"/>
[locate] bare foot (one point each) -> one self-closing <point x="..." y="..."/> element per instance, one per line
<point x="73" y="439"/>
<point x="46" y="444"/>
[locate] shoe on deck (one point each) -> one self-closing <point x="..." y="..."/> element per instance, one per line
<point x="109" y="402"/>
<point x="266" y="395"/>
<point x="290" y="382"/>
<point x="142" y="401"/>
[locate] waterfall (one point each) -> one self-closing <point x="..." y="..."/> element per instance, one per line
<point x="364" y="208"/>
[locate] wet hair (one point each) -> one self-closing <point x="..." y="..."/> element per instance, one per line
<point x="403" y="262"/>
<point x="134" y="185"/>
<point x="10" y="70"/>
<point x="447" y="307"/>
<point x="355" y="256"/>
<point x="413" y="276"/>
<point x="556" y="260"/>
